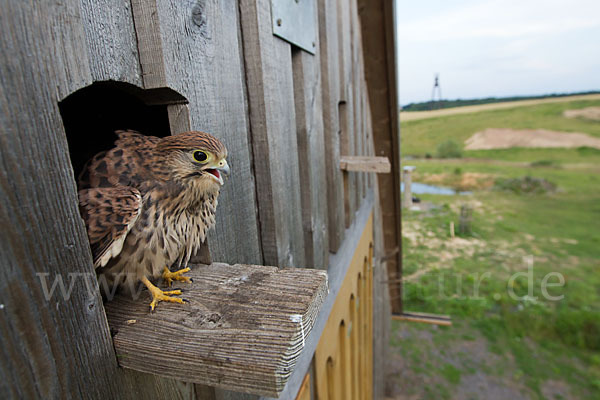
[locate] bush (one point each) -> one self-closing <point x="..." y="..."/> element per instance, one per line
<point x="449" y="149"/>
<point x="579" y="328"/>
<point x="545" y="163"/>
<point x="526" y="184"/>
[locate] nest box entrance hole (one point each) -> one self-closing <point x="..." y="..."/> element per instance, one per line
<point x="92" y="114"/>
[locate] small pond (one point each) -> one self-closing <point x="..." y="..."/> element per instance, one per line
<point x="422" y="188"/>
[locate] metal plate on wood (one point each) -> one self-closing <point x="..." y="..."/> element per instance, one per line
<point x="295" y="21"/>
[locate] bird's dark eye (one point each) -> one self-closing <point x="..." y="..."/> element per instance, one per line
<point x="200" y="156"/>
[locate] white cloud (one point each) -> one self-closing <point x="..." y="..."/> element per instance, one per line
<point x="501" y="19"/>
<point x="497" y="47"/>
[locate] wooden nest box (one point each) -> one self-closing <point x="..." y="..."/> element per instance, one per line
<point x="290" y="297"/>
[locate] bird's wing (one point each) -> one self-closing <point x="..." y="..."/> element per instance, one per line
<point x="127" y="164"/>
<point x="109" y="214"/>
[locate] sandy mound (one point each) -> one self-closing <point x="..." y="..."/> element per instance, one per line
<point x="461" y="182"/>
<point x="592" y="113"/>
<point x="506" y="138"/>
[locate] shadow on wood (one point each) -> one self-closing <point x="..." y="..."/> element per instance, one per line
<point x="243" y="327"/>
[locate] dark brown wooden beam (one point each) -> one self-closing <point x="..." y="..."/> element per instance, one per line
<point x="377" y="22"/>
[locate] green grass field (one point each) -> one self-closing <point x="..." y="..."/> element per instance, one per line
<point x="510" y="338"/>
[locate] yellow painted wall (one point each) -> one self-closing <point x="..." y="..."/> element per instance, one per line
<point x="343" y="361"/>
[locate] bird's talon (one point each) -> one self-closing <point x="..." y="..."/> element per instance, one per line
<point x="169" y="276"/>
<point x="159" y="295"/>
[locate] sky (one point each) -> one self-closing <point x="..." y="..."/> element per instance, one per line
<point x="497" y="48"/>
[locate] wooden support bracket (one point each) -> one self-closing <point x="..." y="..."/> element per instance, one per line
<point x="242" y="329"/>
<point x="365" y="164"/>
<point x="435" y="319"/>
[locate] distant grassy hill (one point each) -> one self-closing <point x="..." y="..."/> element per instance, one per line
<point x="421" y="137"/>
<point x="429" y="105"/>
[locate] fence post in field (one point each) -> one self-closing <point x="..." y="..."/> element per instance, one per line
<point x="407" y="203"/>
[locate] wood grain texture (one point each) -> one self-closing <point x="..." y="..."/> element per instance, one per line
<point x="356" y="80"/>
<point x="377" y="25"/>
<point x="328" y="51"/>
<point x="268" y="65"/>
<point x="339" y="264"/>
<point x="111" y="41"/>
<point x="346" y="114"/>
<point x="242" y="329"/>
<point x="311" y="156"/>
<point x="149" y="42"/>
<point x="365" y="164"/>
<point x="381" y="294"/>
<point x="201" y="50"/>
<point x="368" y="138"/>
<point x="381" y="302"/>
<point x="54" y="344"/>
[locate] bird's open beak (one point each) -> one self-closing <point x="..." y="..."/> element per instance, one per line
<point x="219" y="171"/>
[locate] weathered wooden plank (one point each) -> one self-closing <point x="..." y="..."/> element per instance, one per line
<point x="378" y="43"/>
<point x="368" y="138"/>
<point x="40" y="352"/>
<point x="56" y="344"/>
<point x="311" y="156"/>
<point x="377" y="24"/>
<point x="179" y="118"/>
<point x="111" y="41"/>
<point x="356" y="80"/>
<point x="198" y="42"/>
<point x="365" y="164"/>
<point x="274" y="140"/>
<point x="381" y="302"/>
<point x="242" y="329"/>
<point x="347" y="105"/>
<point x="150" y="47"/>
<point x="328" y="50"/>
<point x="369" y="134"/>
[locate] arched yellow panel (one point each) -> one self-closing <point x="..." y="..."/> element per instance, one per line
<point x="343" y="365"/>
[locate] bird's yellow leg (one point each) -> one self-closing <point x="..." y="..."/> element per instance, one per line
<point x="169" y="276"/>
<point x="159" y="295"/>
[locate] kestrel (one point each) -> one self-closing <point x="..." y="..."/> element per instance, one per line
<point x="148" y="203"/>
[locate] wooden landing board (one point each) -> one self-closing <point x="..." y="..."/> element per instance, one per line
<point x="365" y="164"/>
<point x="242" y="329"/>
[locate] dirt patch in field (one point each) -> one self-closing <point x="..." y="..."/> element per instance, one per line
<point x="493" y="138"/>
<point x="461" y="182"/>
<point x="422" y="368"/>
<point x="592" y="113"/>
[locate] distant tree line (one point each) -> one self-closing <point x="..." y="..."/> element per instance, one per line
<point x="438" y="104"/>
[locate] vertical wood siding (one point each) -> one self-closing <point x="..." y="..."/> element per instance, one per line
<point x="285" y="115"/>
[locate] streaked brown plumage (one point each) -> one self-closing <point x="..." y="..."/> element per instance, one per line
<point x="148" y="203"/>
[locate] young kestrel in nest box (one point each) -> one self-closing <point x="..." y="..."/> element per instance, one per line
<point x="148" y="203"/>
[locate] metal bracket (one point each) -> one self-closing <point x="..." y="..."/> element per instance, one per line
<point x="295" y="21"/>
